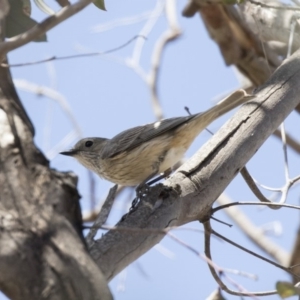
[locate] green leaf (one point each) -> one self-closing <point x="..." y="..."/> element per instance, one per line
<point x="18" y="20"/>
<point x="286" y="289"/>
<point x="100" y="4"/>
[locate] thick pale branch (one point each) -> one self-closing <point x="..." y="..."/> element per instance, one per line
<point x="200" y="181"/>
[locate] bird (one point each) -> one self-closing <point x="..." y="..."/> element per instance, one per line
<point x="138" y="154"/>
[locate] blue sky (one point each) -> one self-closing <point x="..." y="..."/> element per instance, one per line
<point x="107" y="97"/>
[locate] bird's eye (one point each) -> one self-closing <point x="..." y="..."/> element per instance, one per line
<point x="88" y="143"/>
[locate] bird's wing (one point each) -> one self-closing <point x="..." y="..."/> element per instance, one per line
<point x="134" y="137"/>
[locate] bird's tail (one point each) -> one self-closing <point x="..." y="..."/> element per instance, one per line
<point x="235" y="99"/>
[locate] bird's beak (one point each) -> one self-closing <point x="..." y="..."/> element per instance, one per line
<point x="71" y="152"/>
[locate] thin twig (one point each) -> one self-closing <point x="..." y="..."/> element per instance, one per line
<point x="134" y="61"/>
<point x="284" y="190"/>
<point x="252" y="185"/>
<point x="212" y="267"/>
<point x="121" y="22"/>
<point x="286" y="165"/>
<point x="147" y="28"/>
<point x="295" y="145"/>
<point x="214" y="210"/>
<point x="92" y="186"/>
<point x="236" y="272"/>
<point x="242" y="273"/>
<point x="64" y="105"/>
<point x="91" y="215"/>
<point x="222" y="222"/>
<point x="171" y="34"/>
<point x="103" y="215"/>
<point x="73" y="56"/>
<point x="255" y="233"/>
<point x="52" y="94"/>
<point x="291" y="38"/>
<point x="254" y="254"/>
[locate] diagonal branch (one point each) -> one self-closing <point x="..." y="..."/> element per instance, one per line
<point x="200" y="181"/>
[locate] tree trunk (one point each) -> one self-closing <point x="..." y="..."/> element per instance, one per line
<point x="42" y="251"/>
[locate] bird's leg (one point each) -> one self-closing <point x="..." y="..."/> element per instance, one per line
<point x="143" y="187"/>
<point x="163" y="175"/>
<point x="141" y="190"/>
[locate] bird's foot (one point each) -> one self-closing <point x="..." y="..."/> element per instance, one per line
<point x="141" y="191"/>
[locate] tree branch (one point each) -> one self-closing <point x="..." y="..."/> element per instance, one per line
<point x="255" y="233"/>
<point x="200" y="181"/>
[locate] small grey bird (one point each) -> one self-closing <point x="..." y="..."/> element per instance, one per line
<point x="137" y="154"/>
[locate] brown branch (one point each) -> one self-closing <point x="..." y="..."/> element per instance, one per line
<point x="254" y="233"/>
<point x="92" y="214"/>
<point x="103" y="215"/>
<point x="288" y="270"/>
<point x="295" y="257"/>
<point x="255" y="190"/>
<point x="208" y="232"/>
<point x="252" y="185"/>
